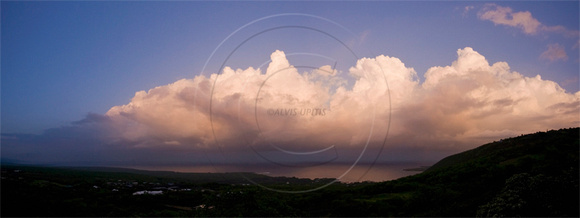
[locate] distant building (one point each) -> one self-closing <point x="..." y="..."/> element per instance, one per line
<point x="148" y="193"/>
<point x="155" y="192"/>
<point x="203" y="206"/>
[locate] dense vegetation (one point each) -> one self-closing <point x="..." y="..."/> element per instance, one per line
<point x="530" y="175"/>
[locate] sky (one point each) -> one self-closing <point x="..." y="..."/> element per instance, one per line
<point x="284" y="83"/>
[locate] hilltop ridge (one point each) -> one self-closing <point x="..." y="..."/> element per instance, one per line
<point x="529" y="175"/>
<point x="511" y="149"/>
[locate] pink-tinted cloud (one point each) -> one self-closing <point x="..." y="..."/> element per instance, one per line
<point x="505" y="16"/>
<point x="465" y="102"/>
<point x="523" y="20"/>
<point x="456" y="107"/>
<point x="554" y="52"/>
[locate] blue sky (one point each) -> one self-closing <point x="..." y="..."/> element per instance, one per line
<point x="62" y="60"/>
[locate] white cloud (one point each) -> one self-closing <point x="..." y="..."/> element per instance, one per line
<point x="576" y="45"/>
<point x="457" y="107"/>
<point x="523" y="20"/>
<point x="466" y="102"/>
<point x="471" y="97"/>
<point x="529" y="25"/>
<point x="467" y="9"/>
<point x="554" y="52"/>
<point x="505" y="16"/>
<point x="562" y="30"/>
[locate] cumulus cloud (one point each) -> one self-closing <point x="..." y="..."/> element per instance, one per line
<point x="298" y="111"/>
<point x="554" y="52"/>
<point x="455" y="101"/>
<point x="471" y="98"/>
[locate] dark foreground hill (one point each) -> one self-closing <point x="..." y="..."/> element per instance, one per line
<point x="530" y="175"/>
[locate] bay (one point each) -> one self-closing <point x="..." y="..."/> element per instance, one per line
<point x="347" y="173"/>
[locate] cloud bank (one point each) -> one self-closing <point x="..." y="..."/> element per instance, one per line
<point x="299" y="110"/>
